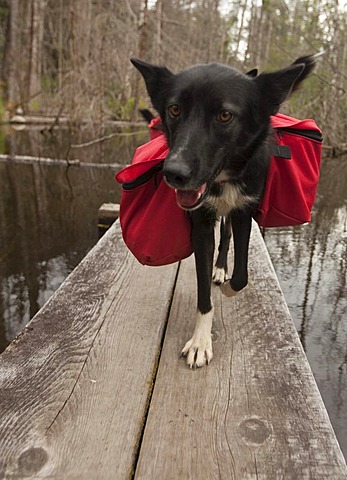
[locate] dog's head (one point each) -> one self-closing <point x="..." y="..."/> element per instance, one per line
<point x="214" y="117"/>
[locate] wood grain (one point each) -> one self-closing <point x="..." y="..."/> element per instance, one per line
<point x="75" y="385"/>
<point x="255" y="412"/>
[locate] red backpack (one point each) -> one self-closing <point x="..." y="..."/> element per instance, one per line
<point x="158" y="231"/>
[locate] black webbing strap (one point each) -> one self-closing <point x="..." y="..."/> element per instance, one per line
<point x="282" y="151"/>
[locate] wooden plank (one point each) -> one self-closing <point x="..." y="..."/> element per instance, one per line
<point x="109" y="211"/>
<point x="107" y="215"/>
<point x="74" y="386"/>
<point x="255" y="412"/>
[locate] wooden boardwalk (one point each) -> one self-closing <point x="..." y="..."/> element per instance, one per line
<point x="94" y="387"/>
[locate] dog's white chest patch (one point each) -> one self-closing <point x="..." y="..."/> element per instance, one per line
<point x="231" y="198"/>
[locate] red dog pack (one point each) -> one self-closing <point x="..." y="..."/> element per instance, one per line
<point x="157" y="231"/>
<point x="292" y="179"/>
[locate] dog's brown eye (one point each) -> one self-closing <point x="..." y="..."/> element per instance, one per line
<point x="174" y="110"/>
<point x="224" y="116"/>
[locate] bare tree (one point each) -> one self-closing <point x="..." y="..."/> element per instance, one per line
<point x="36" y="39"/>
<point x="72" y="56"/>
<point x="12" y="45"/>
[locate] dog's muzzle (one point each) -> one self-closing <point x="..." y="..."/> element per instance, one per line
<point x="191" y="199"/>
<point x="177" y="179"/>
<point x="178" y="176"/>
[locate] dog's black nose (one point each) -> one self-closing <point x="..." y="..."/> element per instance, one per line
<point x="177" y="176"/>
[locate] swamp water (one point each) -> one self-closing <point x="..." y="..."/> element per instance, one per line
<point x="48" y="222"/>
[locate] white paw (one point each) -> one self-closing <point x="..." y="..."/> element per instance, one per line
<point x="227" y="290"/>
<point x="198" y="349"/>
<point x="219" y="275"/>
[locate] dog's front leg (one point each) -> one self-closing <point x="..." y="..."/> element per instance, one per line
<point x="199" y="348"/>
<point x="241" y="224"/>
<point x="221" y="266"/>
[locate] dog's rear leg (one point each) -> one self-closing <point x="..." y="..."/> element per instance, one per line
<point x="221" y="266"/>
<point x="241" y="224"/>
<point x="199" y="348"/>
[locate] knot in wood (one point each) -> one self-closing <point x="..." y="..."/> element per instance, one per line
<point x="254" y="431"/>
<point x="31" y="461"/>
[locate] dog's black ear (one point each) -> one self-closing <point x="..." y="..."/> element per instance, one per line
<point x="276" y="87"/>
<point x="252" y="73"/>
<point x="147" y="114"/>
<point x="309" y="62"/>
<point x="157" y="79"/>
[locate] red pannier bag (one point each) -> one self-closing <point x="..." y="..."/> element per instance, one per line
<point x="292" y="180"/>
<point x="158" y="232"/>
<point x="155" y="229"/>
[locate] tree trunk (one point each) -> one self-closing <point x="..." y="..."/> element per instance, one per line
<point x="143" y="34"/>
<point x="12" y="45"/>
<point x="36" y="42"/>
<point x="240" y="30"/>
<point x="158" y="38"/>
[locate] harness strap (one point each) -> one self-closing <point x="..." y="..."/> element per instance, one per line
<point x="282" y="151"/>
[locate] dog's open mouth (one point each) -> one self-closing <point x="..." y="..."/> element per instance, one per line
<point x="191" y="199"/>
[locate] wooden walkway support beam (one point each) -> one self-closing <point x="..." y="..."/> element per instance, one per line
<point x="94" y="387"/>
<point x="107" y="215"/>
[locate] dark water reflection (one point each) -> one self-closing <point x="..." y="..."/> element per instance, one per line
<point x="48" y="218"/>
<point x="310" y="262"/>
<point x="61" y="143"/>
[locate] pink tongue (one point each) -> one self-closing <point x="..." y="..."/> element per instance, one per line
<point x="188" y="198"/>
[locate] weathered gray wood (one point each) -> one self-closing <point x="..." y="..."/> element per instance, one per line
<point x="107" y="215"/>
<point x="75" y="385"/>
<point x="255" y="412"/>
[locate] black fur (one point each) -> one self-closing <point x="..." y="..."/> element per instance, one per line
<point x="221" y="161"/>
<point x="147" y="114"/>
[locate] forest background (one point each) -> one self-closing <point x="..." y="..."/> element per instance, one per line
<point x="71" y="57"/>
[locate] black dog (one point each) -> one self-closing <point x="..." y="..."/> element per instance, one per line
<point x="217" y="123"/>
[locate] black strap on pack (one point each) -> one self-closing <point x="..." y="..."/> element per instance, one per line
<point x="145" y="177"/>
<point x="282" y="151"/>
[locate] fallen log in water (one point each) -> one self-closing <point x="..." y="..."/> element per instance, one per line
<point x="55" y="161"/>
